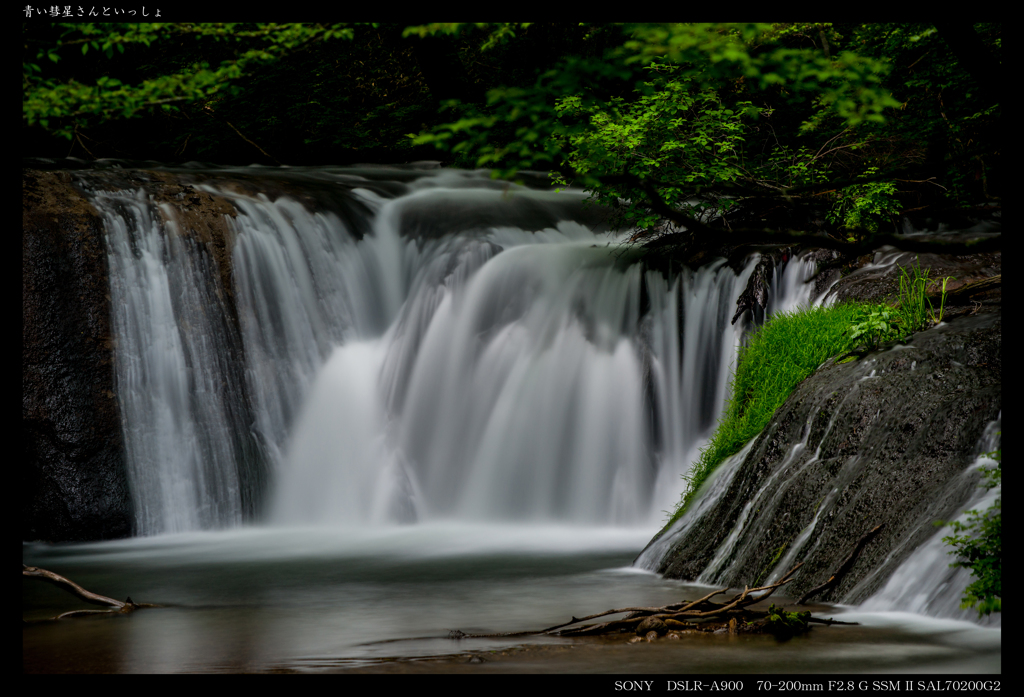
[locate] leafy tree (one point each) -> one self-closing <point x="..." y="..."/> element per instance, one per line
<point x="862" y="206"/>
<point x="708" y="55"/>
<point x="675" y="132"/>
<point x="809" y="125"/>
<point x="66" y="101"/>
<point x="854" y="123"/>
<point x="220" y="91"/>
<point x="272" y="92"/>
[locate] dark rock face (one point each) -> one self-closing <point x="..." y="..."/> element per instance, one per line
<point x="74" y="482"/>
<point x="73" y="485"/>
<point x="884" y="440"/>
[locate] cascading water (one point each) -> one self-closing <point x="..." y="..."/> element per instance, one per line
<point x="925" y="582"/>
<point x="476" y="356"/>
<point x="355" y="348"/>
<point x="185" y="434"/>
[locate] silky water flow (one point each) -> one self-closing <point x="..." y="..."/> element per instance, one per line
<point x="491" y="373"/>
<point x="465" y="409"/>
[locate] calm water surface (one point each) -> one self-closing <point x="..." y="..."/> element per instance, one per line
<point x="313" y="599"/>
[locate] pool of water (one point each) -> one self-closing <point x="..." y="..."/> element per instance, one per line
<point x="309" y="600"/>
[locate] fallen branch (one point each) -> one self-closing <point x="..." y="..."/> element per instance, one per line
<point x="871" y="241"/>
<point x="733" y="615"/>
<point x="962" y="295"/>
<point x="846" y="565"/>
<point x="702" y="609"/>
<point x="115" y="606"/>
<point x="828" y="621"/>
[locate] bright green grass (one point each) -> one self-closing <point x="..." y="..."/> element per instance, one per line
<point x="791" y="346"/>
<point x="775" y="359"/>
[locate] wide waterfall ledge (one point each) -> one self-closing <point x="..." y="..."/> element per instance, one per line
<point x="371" y="359"/>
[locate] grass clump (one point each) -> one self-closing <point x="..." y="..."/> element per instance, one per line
<point x="914" y="309"/>
<point x="775" y="359"/>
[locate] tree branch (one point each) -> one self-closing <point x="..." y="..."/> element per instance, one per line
<point x="844" y="567"/>
<point x="871" y="241"/>
<point x="70" y="586"/>
<point x="114" y="606"/>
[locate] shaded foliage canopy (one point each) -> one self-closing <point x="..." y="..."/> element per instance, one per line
<point x="856" y="123"/>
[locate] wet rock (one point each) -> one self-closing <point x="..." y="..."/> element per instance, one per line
<point x="876" y="278"/>
<point x="651" y="624"/>
<point x="73" y="482"/>
<point x="880" y="440"/>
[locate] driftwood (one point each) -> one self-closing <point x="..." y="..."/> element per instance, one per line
<point x="844" y="567"/>
<point x="962" y="295"/>
<point x="113" y="606"/>
<point x="702" y="614"/>
<point x="677" y="615"/>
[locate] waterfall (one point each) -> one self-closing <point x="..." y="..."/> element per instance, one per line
<point x="471" y="350"/>
<point x="181" y="400"/>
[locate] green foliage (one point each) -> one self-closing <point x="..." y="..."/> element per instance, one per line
<point x="705" y="57"/>
<point x="915" y="310"/>
<point x="848" y="85"/>
<point x="64" y="105"/>
<point x="866" y="206"/>
<point x="874" y="326"/>
<point x="774" y="360"/>
<point x="499" y="33"/>
<point x="810" y="103"/>
<point x="942" y="302"/>
<point x="944" y="115"/>
<point x="912" y="312"/>
<point x="913" y="298"/>
<point x="674" y="131"/>
<point x="786" y="624"/>
<point x="706" y="114"/>
<point x="978" y="547"/>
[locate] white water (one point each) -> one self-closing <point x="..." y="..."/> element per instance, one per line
<point x="493" y="382"/>
<point x="925" y="583"/>
<point x="478" y="356"/>
<point x="180" y="425"/>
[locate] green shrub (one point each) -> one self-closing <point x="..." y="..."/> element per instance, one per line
<point x="874" y="326"/>
<point x="980" y="548"/>
<point x="865" y="206"/>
